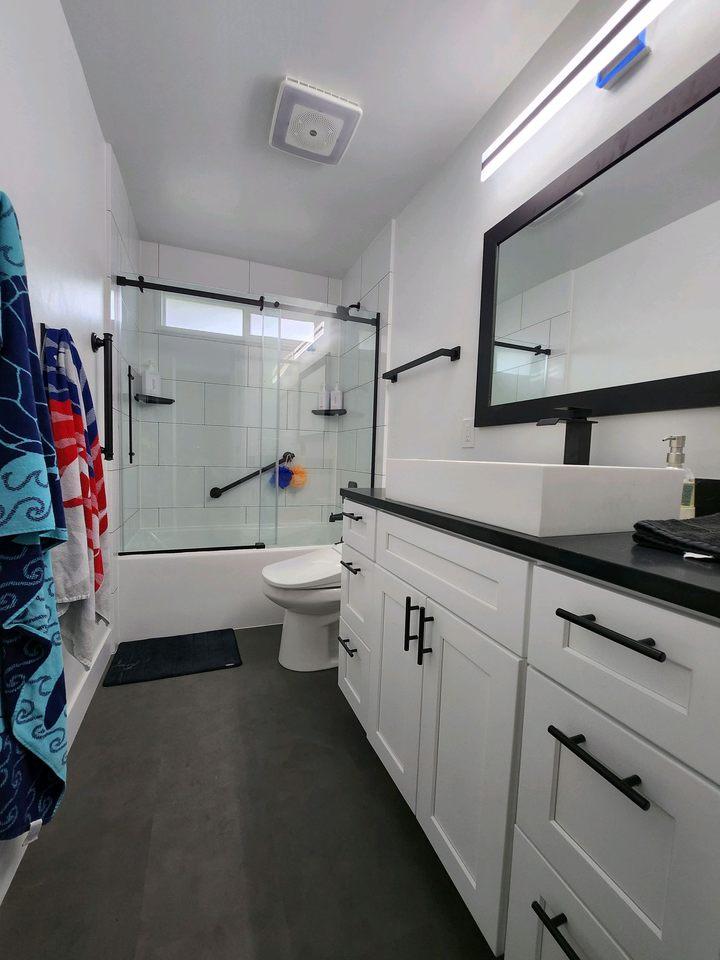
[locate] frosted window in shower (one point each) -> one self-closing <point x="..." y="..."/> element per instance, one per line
<point x="202" y="316"/>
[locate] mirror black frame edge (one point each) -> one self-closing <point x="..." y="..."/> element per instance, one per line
<point x="670" y="393"/>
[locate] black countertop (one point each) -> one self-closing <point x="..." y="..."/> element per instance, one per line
<point x="611" y="557"/>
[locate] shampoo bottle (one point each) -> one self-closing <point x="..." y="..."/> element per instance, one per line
<point x="336" y="398"/>
<point x="324" y="398"/>
<point x="676" y="458"/>
<point x="150" y="383"/>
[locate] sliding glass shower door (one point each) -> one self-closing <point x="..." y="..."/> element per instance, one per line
<point x="231" y="446"/>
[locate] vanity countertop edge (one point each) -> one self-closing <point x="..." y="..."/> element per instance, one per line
<point x="613" y="558"/>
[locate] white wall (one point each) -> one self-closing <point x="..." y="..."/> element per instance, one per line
<point x="438" y="252"/>
<point x="52" y="166"/>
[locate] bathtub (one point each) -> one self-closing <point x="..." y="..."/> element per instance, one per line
<point x="191" y="590"/>
<point x="213" y="537"/>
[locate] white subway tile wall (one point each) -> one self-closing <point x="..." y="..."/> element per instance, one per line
<point x="540" y="316"/>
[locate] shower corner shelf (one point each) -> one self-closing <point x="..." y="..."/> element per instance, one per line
<point x="146" y="398"/>
<point x="330" y="413"/>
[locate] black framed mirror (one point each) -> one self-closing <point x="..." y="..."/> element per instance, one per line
<point x="603" y="290"/>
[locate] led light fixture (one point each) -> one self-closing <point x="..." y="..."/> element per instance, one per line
<point x="625" y="25"/>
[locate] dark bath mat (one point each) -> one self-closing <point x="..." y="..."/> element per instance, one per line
<point x="162" y="657"/>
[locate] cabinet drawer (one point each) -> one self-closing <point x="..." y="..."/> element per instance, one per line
<point x="650" y="876"/>
<point x="484" y="587"/>
<point x="353" y="671"/>
<point x="359" y="527"/>
<point x="356" y="593"/>
<point x="673" y="702"/>
<point x="533" y="881"/>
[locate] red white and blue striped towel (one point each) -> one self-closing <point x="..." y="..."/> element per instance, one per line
<point x="81" y="565"/>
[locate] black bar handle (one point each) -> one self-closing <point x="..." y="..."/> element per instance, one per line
<point x="104" y="342"/>
<point x="350" y="567"/>
<point x="551" y="924"/>
<point x="287" y="457"/>
<point x="624" y="784"/>
<point x="588" y="621"/>
<point x="409" y="607"/>
<point x="392" y="375"/>
<point x="422" y="649"/>
<point x="345" y="644"/>
<point x="338" y="516"/>
<point x="131" y="452"/>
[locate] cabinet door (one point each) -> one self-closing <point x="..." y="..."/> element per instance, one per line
<point x="396" y="682"/>
<point x="465" y="779"/>
<point x="353" y="670"/>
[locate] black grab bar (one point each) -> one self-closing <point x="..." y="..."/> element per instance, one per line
<point x="392" y="375"/>
<point x="287" y="457"/>
<point x="105" y="343"/>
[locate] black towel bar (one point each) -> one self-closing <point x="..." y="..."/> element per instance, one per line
<point x="537" y="350"/>
<point x="105" y="343"/>
<point x="392" y="375"/>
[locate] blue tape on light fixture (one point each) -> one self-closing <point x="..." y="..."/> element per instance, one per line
<point x="613" y="71"/>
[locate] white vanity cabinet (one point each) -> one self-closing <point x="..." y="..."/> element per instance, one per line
<point x="444" y="722"/>
<point x="619" y="833"/>
<point x="556" y="738"/>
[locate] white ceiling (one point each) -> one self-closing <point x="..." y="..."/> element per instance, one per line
<point x="185" y="89"/>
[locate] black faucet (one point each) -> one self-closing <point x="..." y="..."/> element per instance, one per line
<point x="578" y="432"/>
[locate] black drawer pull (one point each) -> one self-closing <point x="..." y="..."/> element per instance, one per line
<point x="551" y="924"/>
<point x="409" y="607"/>
<point x="422" y="649"/>
<point x="338" y="516"/>
<point x="350" y="567"/>
<point x="352" y="516"/>
<point x="350" y="651"/>
<point x="623" y="784"/>
<point x="587" y="620"/>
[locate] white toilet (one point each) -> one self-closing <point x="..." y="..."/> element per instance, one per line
<point x="308" y="588"/>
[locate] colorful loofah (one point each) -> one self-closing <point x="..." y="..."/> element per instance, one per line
<point x="284" y="476"/>
<point x="299" y="477"/>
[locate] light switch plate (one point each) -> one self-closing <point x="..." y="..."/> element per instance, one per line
<point x="468" y="432"/>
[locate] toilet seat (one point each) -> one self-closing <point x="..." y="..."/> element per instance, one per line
<point x="316" y="570"/>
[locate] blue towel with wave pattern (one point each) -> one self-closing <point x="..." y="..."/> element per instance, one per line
<point x="33" y="735"/>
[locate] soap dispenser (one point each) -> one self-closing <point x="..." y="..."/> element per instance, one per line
<point x="676" y="458"/>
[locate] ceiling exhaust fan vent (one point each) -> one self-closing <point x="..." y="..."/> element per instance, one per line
<point x="312" y="123"/>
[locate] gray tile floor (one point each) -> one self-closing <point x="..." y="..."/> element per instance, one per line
<point x="238" y="814"/>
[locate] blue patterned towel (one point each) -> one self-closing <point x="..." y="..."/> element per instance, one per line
<point x="33" y="739"/>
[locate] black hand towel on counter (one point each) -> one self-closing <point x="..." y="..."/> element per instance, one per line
<point x="699" y="535"/>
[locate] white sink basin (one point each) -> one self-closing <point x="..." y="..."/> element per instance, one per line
<point x="543" y="499"/>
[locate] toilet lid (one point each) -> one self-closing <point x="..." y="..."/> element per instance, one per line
<point x="320" y="568"/>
